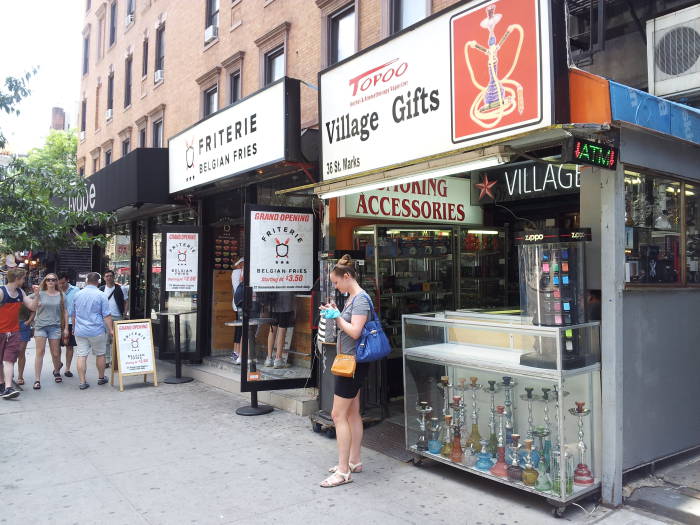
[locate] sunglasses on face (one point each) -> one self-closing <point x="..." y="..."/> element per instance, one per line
<point x="51" y="280"/>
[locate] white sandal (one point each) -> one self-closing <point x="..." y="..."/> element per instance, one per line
<point x="343" y="479"/>
<point x="354" y="468"/>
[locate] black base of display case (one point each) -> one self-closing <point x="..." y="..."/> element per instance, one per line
<point x="538" y="361"/>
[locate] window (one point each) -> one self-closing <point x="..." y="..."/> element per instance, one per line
<point x="126" y="144"/>
<point x="86" y="54"/>
<point x="97" y="107"/>
<point x="211" y="101"/>
<point x="108" y="157"/>
<point x="83" y="115"/>
<point x="81" y="171"/>
<point x="112" y="23"/>
<point x="157" y="134"/>
<point x="87" y="5"/>
<point x="127" y="81"/>
<point x="110" y="91"/>
<point x="144" y="63"/>
<point x="130" y="7"/>
<point x="160" y="47"/>
<point x="234" y="87"/>
<point x="405" y="13"/>
<point x="95" y="164"/>
<point x="142" y="137"/>
<point x="342" y="34"/>
<point x="658" y="231"/>
<point x="274" y="65"/>
<point x="212" y="15"/>
<point x="692" y="239"/>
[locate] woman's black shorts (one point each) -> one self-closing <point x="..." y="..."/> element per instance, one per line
<point x="348" y="387"/>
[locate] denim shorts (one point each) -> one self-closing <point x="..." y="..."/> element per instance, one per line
<point x="25" y="332"/>
<point x="50" y="332"/>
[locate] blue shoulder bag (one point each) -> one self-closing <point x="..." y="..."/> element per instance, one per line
<point x="373" y="343"/>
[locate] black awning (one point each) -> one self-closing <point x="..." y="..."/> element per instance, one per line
<point x="140" y="177"/>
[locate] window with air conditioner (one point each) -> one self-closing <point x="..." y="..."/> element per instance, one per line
<point x="160" y="53"/>
<point x="673" y="53"/>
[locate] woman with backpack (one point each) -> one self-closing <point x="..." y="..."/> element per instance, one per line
<point x="50" y="323"/>
<point x="346" y="401"/>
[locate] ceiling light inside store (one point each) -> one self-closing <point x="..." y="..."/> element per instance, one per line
<point x="483" y="232"/>
<point x="473" y="165"/>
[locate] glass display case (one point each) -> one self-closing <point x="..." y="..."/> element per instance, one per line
<point x="429" y="268"/>
<point x="476" y="400"/>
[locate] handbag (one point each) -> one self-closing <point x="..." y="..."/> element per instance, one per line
<point x="344" y="365"/>
<point x="373" y="343"/>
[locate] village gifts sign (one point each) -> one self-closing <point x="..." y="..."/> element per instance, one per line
<point x="443" y="200"/>
<point x="282" y="249"/>
<point x="435" y="88"/>
<point x="258" y="130"/>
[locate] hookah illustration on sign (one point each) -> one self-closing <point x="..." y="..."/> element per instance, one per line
<point x="502" y="95"/>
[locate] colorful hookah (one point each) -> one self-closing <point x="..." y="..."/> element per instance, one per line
<point x="457" y="454"/>
<point x="508" y="385"/>
<point x="474" y="438"/>
<point x="500" y="469"/>
<point x="485" y="461"/>
<point x="546" y="448"/>
<point x="544" y="481"/>
<point x="582" y="474"/>
<point x="423" y="410"/>
<point x="492" y="389"/>
<point x="446" y="449"/>
<point x="445" y="388"/>
<point x="515" y="471"/>
<point x="534" y="455"/>
<point x="434" y="443"/>
<point x="529" y="473"/>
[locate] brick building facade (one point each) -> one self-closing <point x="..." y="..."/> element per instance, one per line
<point x="125" y="42"/>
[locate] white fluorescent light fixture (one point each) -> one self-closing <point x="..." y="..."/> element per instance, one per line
<point x="483" y="232"/>
<point x="474" y="165"/>
<point x="422" y="230"/>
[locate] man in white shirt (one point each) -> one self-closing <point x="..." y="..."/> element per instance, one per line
<point x="118" y="306"/>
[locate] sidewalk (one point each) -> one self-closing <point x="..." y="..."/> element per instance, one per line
<point x="178" y="454"/>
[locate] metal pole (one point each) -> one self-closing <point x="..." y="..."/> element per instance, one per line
<point x="178" y="354"/>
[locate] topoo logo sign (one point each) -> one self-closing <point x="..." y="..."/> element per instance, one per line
<point x="281" y="251"/>
<point x="182" y="253"/>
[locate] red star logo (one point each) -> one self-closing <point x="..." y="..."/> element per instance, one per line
<point x="485" y="186"/>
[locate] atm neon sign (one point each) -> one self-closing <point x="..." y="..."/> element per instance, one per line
<point x="586" y="152"/>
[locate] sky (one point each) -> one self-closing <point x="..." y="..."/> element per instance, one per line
<point x="46" y="34"/>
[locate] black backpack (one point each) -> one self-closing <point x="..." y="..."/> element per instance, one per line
<point x="238" y="296"/>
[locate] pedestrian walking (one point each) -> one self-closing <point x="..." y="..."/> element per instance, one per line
<point x="50" y="324"/>
<point x="236" y="281"/>
<point x="92" y="321"/>
<point x="118" y="307"/>
<point x="69" y="293"/>
<point x="346" y="401"/>
<point x="26" y="332"/>
<point x="11" y="299"/>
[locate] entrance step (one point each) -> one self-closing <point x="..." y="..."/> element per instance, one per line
<point x="219" y="373"/>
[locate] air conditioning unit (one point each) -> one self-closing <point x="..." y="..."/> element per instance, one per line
<point x="82" y="135"/>
<point x="129" y="20"/>
<point x="158" y="76"/>
<point x="211" y="33"/>
<point x="673" y="53"/>
<point x="108" y="114"/>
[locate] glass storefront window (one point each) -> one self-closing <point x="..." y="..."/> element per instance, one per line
<point x="652" y="229"/>
<point x="692" y="240"/>
<point x="118" y="255"/>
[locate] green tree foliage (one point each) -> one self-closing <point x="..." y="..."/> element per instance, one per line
<point x="11" y="95"/>
<point x="34" y="196"/>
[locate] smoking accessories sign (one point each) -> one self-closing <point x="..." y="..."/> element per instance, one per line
<point x="281" y="251"/>
<point x="182" y="254"/>
<point x="487" y="74"/>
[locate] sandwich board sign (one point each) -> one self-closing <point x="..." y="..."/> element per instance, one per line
<point x="132" y="351"/>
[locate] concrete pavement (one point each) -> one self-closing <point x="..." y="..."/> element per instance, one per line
<point x="178" y="454"/>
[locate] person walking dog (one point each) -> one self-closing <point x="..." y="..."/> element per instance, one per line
<point x="92" y="321"/>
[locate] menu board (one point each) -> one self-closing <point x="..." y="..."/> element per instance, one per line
<point x="227" y="246"/>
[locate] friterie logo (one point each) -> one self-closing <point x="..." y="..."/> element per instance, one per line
<point x="189" y="153"/>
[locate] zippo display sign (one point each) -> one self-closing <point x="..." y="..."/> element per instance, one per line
<point x="258" y="130"/>
<point x="181" y="261"/>
<point x="281" y="244"/>
<point x="132" y="350"/>
<point x="443" y="200"/>
<point x="479" y="72"/>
